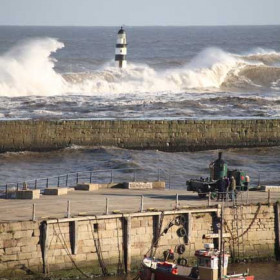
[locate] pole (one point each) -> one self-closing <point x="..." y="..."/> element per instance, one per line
<point x="142" y="203"/>
<point x="68" y="209"/>
<point x="177" y="201"/>
<point x="209" y="198"/>
<point x="107" y="205"/>
<point x="6" y="191"/>
<point x="158" y="175"/>
<point x="33" y="213"/>
<point x="221" y="243"/>
<point x="269" y="197"/>
<point x="58" y="181"/>
<point x="35" y="184"/>
<point x="90" y="177"/>
<point x="66" y="183"/>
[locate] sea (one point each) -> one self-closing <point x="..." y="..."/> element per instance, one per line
<point x="199" y="72"/>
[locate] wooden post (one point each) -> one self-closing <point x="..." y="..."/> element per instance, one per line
<point x="189" y="226"/>
<point x="127" y="243"/>
<point x="156" y="233"/>
<point x="74" y="236"/>
<point x="44" y="245"/>
<point x="277" y="229"/>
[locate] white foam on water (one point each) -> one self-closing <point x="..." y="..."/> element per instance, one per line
<point x="28" y="69"/>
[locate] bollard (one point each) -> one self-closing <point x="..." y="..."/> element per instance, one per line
<point x="33" y="213"/>
<point x="209" y="198"/>
<point x="68" y="209"/>
<point x="142" y="203"/>
<point x="107" y="205"/>
<point x="177" y="201"/>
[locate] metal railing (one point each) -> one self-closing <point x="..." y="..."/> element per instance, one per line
<point x="105" y="176"/>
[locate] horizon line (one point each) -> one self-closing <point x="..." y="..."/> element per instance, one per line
<point x="128" y="26"/>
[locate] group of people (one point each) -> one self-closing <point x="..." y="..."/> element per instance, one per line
<point x="226" y="188"/>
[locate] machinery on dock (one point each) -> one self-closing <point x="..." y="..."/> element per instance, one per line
<point x="218" y="170"/>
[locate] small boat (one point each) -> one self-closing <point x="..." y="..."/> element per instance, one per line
<point x="211" y="265"/>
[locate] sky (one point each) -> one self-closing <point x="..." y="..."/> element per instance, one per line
<point x="139" y="12"/>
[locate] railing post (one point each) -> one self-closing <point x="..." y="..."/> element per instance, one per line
<point x="33" y="213"/>
<point x="66" y="180"/>
<point x="142" y="203"/>
<point x="259" y="179"/>
<point x="58" y="181"/>
<point x="77" y="178"/>
<point x="17" y="187"/>
<point x="111" y="175"/>
<point x="177" y="201"/>
<point x="68" y="209"/>
<point x="47" y="183"/>
<point x="6" y="191"/>
<point x="35" y="185"/>
<point x="158" y="174"/>
<point x="90" y="176"/>
<point x="107" y="205"/>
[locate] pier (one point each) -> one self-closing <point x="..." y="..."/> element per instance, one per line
<point x="108" y="230"/>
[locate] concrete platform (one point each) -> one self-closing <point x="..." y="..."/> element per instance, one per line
<point x="87" y="187"/>
<point x="270" y="188"/>
<point x="138" y="185"/>
<point x="94" y="203"/>
<point x="56" y="191"/>
<point x="28" y="194"/>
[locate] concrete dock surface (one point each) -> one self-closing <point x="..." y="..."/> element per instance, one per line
<point x="126" y="201"/>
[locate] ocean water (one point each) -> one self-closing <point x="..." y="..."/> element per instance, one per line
<point x="173" y="72"/>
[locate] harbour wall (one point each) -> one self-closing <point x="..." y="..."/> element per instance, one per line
<point x="119" y="242"/>
<point x="166" y="135"/>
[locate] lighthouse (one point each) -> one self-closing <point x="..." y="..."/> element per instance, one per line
<point x="121" y="50"/>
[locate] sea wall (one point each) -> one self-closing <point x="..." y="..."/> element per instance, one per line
<point x="167" y="135"/>
<point x="120" y="241"/>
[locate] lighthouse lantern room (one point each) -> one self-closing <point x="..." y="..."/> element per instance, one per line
<point x="121" y="50"/>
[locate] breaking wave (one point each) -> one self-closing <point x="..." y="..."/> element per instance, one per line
<point x="28" y="69"/>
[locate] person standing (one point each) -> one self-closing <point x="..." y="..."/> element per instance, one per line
<point x="247" y="182"/>
<point x="232" y="188"/>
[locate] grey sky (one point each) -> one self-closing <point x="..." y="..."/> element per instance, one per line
<point x="140" y="12"/>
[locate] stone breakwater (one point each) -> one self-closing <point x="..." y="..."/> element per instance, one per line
<point x="166" y="135"/>
<point x="120" y="241"/>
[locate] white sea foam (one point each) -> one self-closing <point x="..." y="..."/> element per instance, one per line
<point x="28" y="69"/>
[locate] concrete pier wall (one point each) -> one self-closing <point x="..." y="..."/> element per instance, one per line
<point x="173" y="135"/>
<point x="124" y="239"/>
